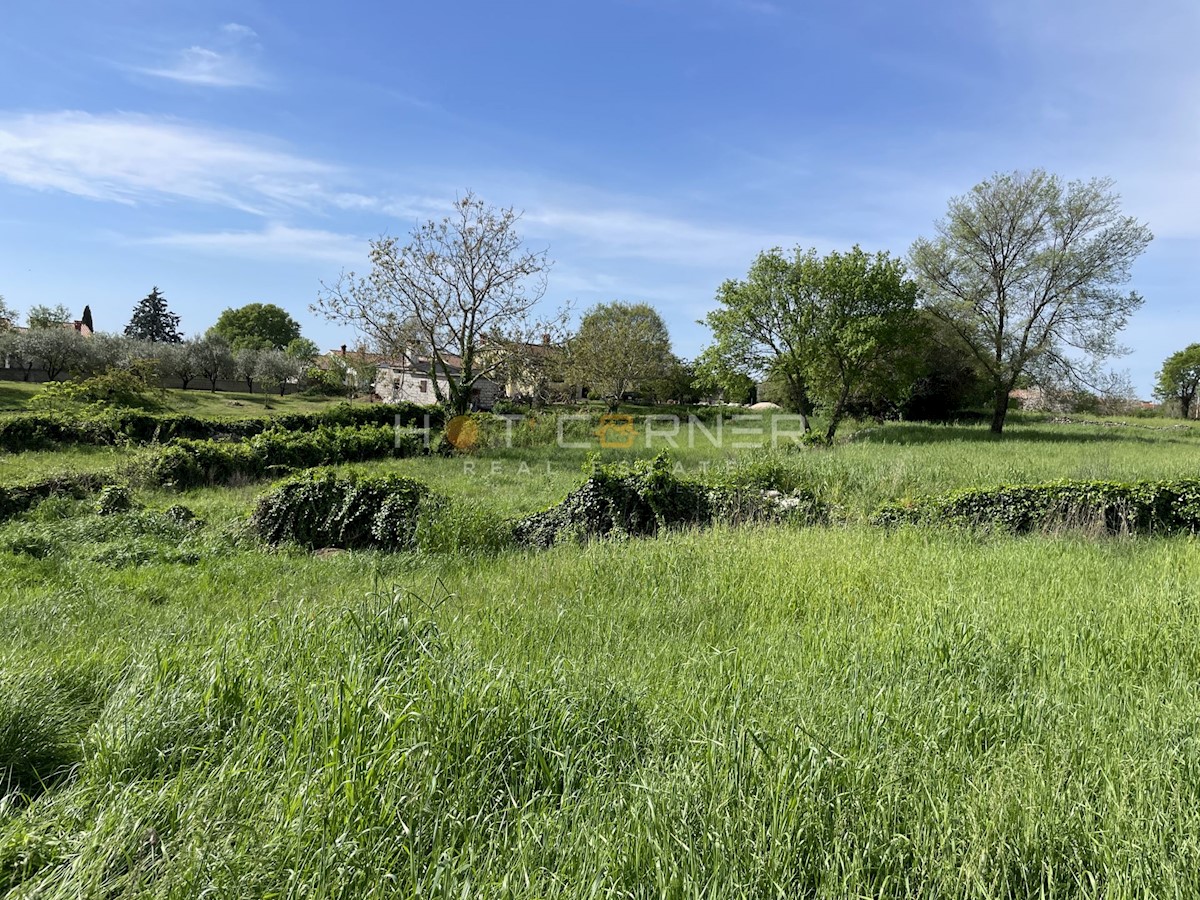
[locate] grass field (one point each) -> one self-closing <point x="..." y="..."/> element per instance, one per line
<point x="196" y="401"/>
<point x="835" y="711"/>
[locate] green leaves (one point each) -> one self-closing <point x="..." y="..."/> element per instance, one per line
<point x="826" y="325"/>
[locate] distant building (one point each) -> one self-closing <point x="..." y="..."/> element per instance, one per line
<point x="411" y="379"/>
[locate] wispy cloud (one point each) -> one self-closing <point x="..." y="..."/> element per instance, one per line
<point x="635" y="234"/>
<point x="274" y="242"/>
<point x="134" y="158"/>
<point x="230" y="62"/>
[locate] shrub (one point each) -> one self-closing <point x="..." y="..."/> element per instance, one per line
<point x="114" y="498"/>
<point x="22" y="498"/>
<point x="324" y="508"/>
<point x="119" y="388"/>
<point x="641" y="498"/>
<point x="1142" y="507"/>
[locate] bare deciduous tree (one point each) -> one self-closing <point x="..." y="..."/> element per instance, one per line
<point x="463" y="290"/>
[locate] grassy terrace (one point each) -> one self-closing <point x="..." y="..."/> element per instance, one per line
<point x="836" y="711"/>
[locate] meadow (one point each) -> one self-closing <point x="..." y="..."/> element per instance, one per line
<point x="768" y="711"/>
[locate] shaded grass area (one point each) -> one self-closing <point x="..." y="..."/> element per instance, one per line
<point x="765" y="712"/>
<point x="196" y="401"/>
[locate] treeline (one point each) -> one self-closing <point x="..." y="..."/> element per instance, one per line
<point x="58" y="353"/>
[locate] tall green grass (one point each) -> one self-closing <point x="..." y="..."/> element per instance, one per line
<point x="764" y="712"/>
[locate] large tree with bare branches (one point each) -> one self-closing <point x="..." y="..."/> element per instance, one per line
<point x="462" y="292"/>
<point x="1027" y="270"/>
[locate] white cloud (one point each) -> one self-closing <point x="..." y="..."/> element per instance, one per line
<point x="276" y="241"/>
<point x="201" y="66"/>
<point x="134" y="158"/>
<point x="633" y="234"/>
<point x="229" y="64"/>
<point x="239" y="31"/>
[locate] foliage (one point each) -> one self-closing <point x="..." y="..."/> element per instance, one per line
<point x="152" y="321"/>
<point x="679" y="384"/>
<point x="35" y="431"/>
<point x="214" y="359"/>
<point x="56" y="350"/>
<point x="263" y="326"/>
<point x="644" y="497"/>
<point x="830" y="327"/>
<point x="1142" y="507"/>
<point x="8" y="315"/>
<point x="759" y="331"/>
<point x="1179" y="379"/>
<point x="947" y="377"/>
<point x="188" y="463"/>
<point x="302" y="350"/>
<point x="461" y="293"/>
<point x="113" y="499"/>
<point x="43" y="316"/>
<point x="275" y="369"/>
<point x="114" y="389"/>
<point x="619" y="348"/>
<point x="326" y="508"/>
<point x="86" y="319"/>
<point x="22" y="498"/>
<point x="1027" y="269"/>
<point x="179" y="360"/>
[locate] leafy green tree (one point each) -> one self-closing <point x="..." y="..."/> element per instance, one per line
<point x="761" y="330"/>
<point x="717" y="374"/>
<point x="260" y="325"/>
<point x="1179" y="379"/>
<point x="465" y="282"/>
<point x="947" y="378"/>
<point x="619" y="347"/>
<point x="1026" y="268"/>
<point x="42" y="316"/>
<point x="86" y="318"/>
<point x="8" y="315"/>
<point x="861" y="314"/>
<point x="152" y="321"/>
<point x="678" y="384"/>
<point x="828" y="327"/>
<point x="302" y="350"/>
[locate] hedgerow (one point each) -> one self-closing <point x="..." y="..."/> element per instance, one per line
<point x="187" y="463"/>
<point x="325" y="508"/>
<point x="1141" y="507"/>
<point x="22" y="498"/>
<point x="40" y="431"/>
<point x="646" y="496"/>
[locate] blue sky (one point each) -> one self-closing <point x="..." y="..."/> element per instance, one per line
<point x="238" y="152"/>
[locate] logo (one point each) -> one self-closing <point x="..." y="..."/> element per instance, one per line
<point x="616" y="431"/>
<point x="462" y="432"/>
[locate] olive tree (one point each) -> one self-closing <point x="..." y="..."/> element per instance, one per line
<point x="1027" y="269"/>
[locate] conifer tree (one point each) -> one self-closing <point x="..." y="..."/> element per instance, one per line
<point x="152" y="321"/>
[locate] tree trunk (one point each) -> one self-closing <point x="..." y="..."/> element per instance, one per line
<point x="1000" y="411"/>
